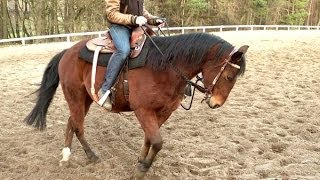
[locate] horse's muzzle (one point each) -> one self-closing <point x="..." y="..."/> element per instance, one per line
<point x="215" y="106"/>
<point x="211" y="103"/>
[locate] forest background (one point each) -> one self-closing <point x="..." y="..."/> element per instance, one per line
<point x="23" y="18"/>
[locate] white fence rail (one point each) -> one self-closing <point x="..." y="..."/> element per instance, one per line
<point x="180" y="30"/>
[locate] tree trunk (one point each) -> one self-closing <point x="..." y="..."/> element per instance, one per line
<point x="313" y="13"/>
<point x="183" y="2"/>
<point x="4" y="20"/>
<point x="68" y="16"/>
<point x="17" y="18"/>
<point x="24" y="18"/>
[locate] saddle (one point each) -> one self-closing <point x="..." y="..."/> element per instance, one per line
<point x="106" y="45"/>
<point x="137" y="41"/>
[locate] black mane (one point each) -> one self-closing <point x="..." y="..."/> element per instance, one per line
<point x="188" y="49"/>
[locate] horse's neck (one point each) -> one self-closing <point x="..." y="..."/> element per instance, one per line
<point x="185" y="73"/>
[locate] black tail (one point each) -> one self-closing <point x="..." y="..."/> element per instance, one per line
<point x="48" y="87"/>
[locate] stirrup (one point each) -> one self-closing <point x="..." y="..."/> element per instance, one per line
<point x="103" y="99"/>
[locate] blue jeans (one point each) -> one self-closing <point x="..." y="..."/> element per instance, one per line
<point x="121" y="39"/>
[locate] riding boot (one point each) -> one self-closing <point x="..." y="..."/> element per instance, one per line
<point x="113" y="69"/>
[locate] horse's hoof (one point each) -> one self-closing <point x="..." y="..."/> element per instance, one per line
<point x="139" y="175"/>
<point x="64" y="163"/>
<point x="93" y="158"/>
<point x="143" y="165"/>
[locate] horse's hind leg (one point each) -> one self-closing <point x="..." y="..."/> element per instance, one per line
<point x="80" y="134"/>
<point x="79" y="106"/>
<point x="66" y="152"/>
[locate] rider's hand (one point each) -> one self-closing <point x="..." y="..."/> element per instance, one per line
<point x="160" y="22"/>
<point x="140" y="20"/>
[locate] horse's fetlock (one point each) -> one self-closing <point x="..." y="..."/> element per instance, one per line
<point x="144" y="165"/>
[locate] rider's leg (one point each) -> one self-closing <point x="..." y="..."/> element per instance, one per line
<point x="121" y="39"/>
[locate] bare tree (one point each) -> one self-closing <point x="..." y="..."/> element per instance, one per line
<point x="40" y="17"/>
<point x="313" y="13"/>
<point x="4" y="19"/>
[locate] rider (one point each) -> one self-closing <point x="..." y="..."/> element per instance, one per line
<point x="122" y="17"/>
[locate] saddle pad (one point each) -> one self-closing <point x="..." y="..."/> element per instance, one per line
<point x="103" y="59"/>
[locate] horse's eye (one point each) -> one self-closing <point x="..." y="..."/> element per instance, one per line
<point x="229" y="78"/>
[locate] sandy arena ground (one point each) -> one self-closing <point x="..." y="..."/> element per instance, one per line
<point x="269" y="127"/>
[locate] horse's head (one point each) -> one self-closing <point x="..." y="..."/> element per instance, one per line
<point x="219" y="76"/>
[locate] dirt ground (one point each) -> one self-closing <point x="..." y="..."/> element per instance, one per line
<point x="268" y="129"/>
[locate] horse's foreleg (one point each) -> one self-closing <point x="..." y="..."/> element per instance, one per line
<point x="146" y="163"/>
<point x="146" y="156"/>
<point x="149" y="123"/>
<point x="145" y="149"/>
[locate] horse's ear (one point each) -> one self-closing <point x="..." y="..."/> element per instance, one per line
<point x="237" y="55"/>
<point x="243" y="49"/>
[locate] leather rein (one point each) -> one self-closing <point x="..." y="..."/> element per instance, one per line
<point x="200" y="88"/>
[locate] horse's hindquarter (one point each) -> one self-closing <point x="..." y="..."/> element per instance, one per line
<point x="75" y="73"/>
<point x="70" y="66"/>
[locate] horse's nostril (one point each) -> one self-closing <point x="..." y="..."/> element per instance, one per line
<point x="216" y="106"/>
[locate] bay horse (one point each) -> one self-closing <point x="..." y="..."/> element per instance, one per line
<point x="156" y="89"/>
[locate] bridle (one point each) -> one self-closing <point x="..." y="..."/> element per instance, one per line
<point x="206" y="91"/>
<point x="223" y="66"/>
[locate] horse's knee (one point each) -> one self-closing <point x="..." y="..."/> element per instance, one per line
<point x="157" y="144"/>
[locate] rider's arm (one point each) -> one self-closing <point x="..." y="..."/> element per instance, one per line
<point x="148" y="15"/>
<point x="114" y="15"/>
